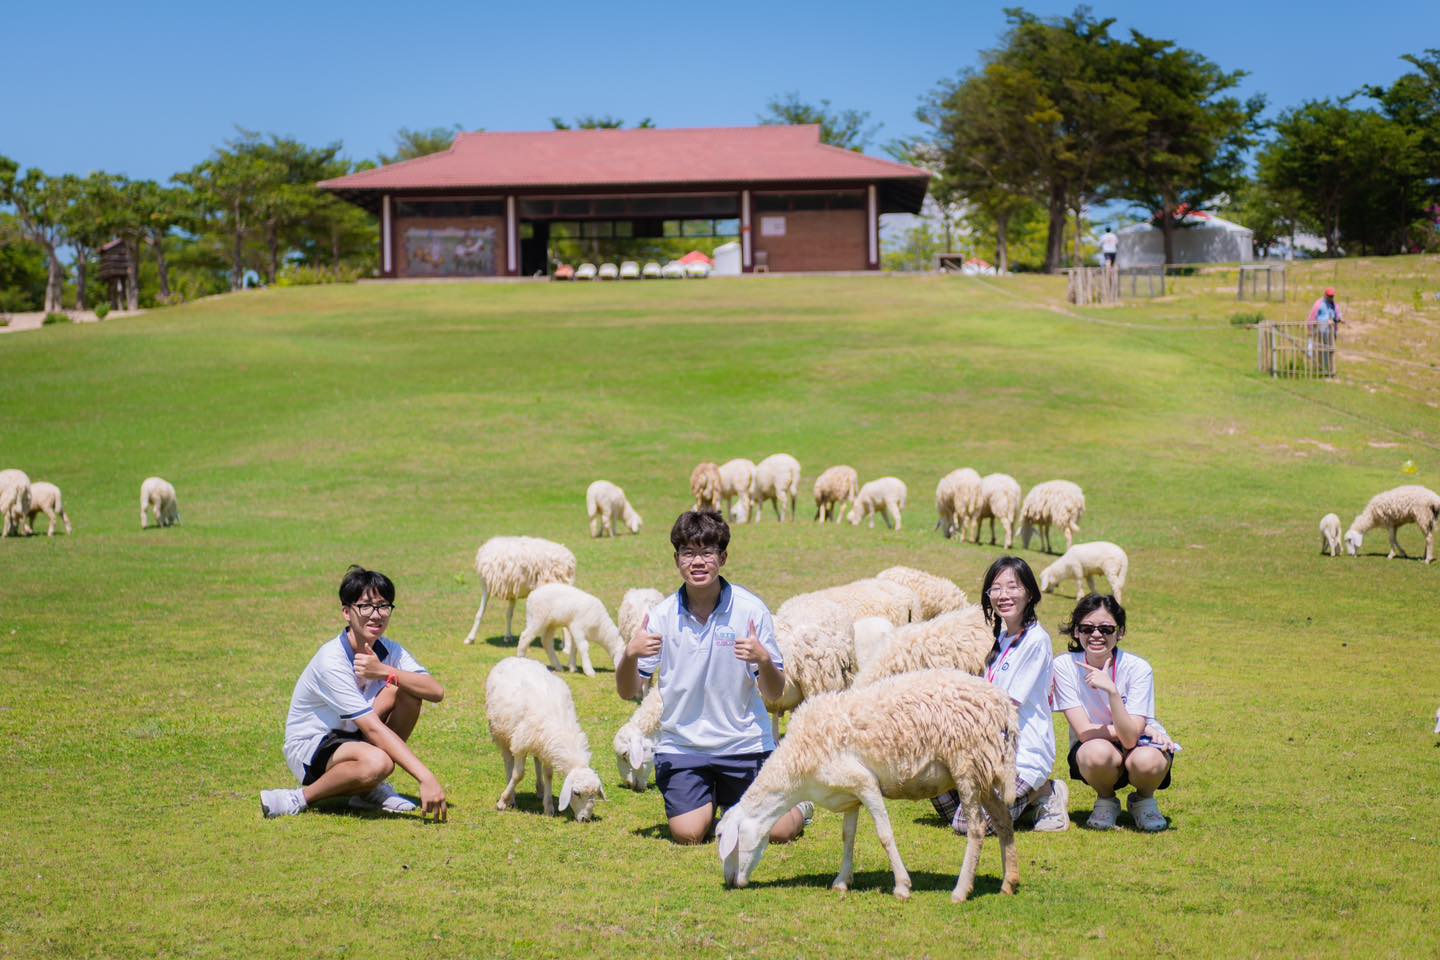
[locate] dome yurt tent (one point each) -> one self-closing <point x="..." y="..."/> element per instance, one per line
<point x="1199" y="238"/>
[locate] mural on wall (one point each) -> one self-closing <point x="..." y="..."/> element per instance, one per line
<point x="449" y="251"/>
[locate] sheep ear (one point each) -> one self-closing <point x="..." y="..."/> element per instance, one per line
<point x="565" y="790"/>
<point x="728" y="836"/>
<point x="636" y="752"/>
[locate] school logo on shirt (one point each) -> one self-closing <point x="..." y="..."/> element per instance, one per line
<point x="1004" y="667"/>
<point x="724" y="637"/>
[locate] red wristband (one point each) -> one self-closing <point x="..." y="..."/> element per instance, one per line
<point x="393" y="680"/>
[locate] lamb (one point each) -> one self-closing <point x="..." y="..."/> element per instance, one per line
<point x="937" y="594"/>
<point x="158" y="496"/>
<point x="14" y="503"/>
<point x="1082" y="562"/>
<point x="604" y="502"/>
<point x="511" y="567"/>
<point x="912" y="737"/>
<point x="1394" y="509"/>
<point x="736" y="478"/>
<point x="45" y="498"/>
<point x="559" y="606"/>
<point x="777" y="479"/>
<point x="531" y="713"/>
<point x="999" y="499"/>
<point x="705" y="486"/>
<point x="1330" y="535"/>
<point x="956" y="640"/>
<point x="635" y="742"/>
<point x="1057" y="503"/>
<point x="835" y="491"/>
<point x="887" y="494"/>
<point x="957" y="501"/>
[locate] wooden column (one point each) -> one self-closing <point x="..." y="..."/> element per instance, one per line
<point x="747" y="255"/>
<point x="387" y="248"/>
<point x="512" y="239"/>
<point x="872" y="227"/>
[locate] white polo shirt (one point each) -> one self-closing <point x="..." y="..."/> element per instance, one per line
<point x="1133" y="678"/>
<point x="329" y="697"/>
<point x="1022" y="669"/>
<point x="711" y="701"/>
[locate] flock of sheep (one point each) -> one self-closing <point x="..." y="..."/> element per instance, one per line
<point x="1391" y="510"/>
<point x="21" y="501"/>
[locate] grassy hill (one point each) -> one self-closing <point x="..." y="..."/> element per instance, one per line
<point x="399" y="426"/>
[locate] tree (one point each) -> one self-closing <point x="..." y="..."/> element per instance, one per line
<point x="226" y="189"/>
<point x="39" y="203"/>
<point x="849" y="129"/>
<point x="22" y="268"/>
<point x="160" y="210"/>
<point x="592" y="122"/>
<point x="85" y="209"/>
<point x="410" y="144"/>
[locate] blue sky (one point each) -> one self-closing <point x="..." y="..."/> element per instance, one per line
<point x="149" y="89"/>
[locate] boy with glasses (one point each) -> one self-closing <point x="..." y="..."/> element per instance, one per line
<point x="713" y="644"/>
<point x="353" y="710"/>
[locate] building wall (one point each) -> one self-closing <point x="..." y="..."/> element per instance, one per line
<point x="449" y="246"/>
<point x="814" y="240"/>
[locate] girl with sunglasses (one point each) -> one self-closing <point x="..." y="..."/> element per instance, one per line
<point x="1109" y="699"/>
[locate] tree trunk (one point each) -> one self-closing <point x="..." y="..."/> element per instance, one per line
<point x="132" y="274"/>
<point x="54" y="284"/>
<point x="335" y="248"/>
<point x="1077" y="260"/>
<point x="1002" y="244"/>
<point x="1055" y="240"/>
<point x="80" y="258"/>
<point x="157" y="240"/>
<point x="1167" y="233"/>
<point x="272" y="237"/>
<point x="237" y="255"/>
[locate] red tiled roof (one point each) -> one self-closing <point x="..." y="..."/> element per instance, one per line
<point x="632" y="158"/>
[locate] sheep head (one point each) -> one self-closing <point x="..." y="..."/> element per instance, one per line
<point x="1048" y="579"/>
<point x="632" y="519"/>
<point x="742" y="838"/>
<point x="1353" y="539"/>
<point x="582" y="787"/>
<point x="634" y="757"/>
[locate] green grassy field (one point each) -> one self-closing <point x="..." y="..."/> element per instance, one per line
<point x="399" y="426"/>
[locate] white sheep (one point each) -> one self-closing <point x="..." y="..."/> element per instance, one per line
<point x="885" y="496"/>
<point x="635" y="742"/>
<point x="511" y="567"/>
<point x="1330" y="534"/>
<point x="158" y="497"/>
<point x="873" y="636"/>
<point x="835" y="491"/>
<point x="870" y="597"/>
<point x="634" y="607"/>
<point x="736" y="478"/>
<point x="777" y="480"/>
<point x="554" y="607"/>
<point x="1083" y="562"/>
<point x="908" y="737"/>
<point x="1394" y="509"/>
<point x="999" y="500"/>
<point x="937" y="594"/>
<point x="1054" y="503"/>
<point x="45" y="498"/>
<point x="705" y="486"/>
<point x="14" y="503"/>
<point x="532" y="714"/>
<point x="955" y="640"/>
<point x="957" y="501"/>
<point x="604" y="502"/>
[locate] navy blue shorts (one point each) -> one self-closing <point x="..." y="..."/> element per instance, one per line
<point x="328" y="745"/>
<point x="1124" y="780"/>
<point x="688" y="781"/>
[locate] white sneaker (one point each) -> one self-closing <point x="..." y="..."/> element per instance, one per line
<point x="1106" y="812"/>
<point x="1146" y="814"/>
<point x="807" y="810"/>
<point x="282" y="802"/>
<point x="383" y="798"/>
<point x="1052" y="814"/>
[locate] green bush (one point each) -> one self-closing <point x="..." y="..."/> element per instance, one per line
<point x="56" y="318"/>
<point x="101" y="310"/>
<point x="4" y="321"/>
<point x="299" y="275"/>
<point x="1246" y="319"/>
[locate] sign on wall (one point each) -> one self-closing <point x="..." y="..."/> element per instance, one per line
<point x="772" y="226"/>
<point x="449" y="251"/>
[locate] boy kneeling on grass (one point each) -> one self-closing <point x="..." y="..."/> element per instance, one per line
<point x="713" y="644"/>
<point x="352" y="711"/>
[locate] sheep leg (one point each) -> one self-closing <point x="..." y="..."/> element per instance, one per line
<point x="971" y="803"/>
<point x="1070" y="532"/>
<point x="475" y="628"/>
<point x="1395" y="545"/>
<point x="1429" y="543"/>
<point x="510" y="620"/>
<point x="1090" y="582"/>
<point x="144" y="519"/>
<point x="1005" y="830"/>
<point x="583" y="642"/>
<point x="1009" y="532"/>
<point x="875" y="803"/>
<point x="846" y="876"/>
<point x="594" y="525"/>
<point x="547" y="640"/>
<point x="515" y="772"/>
<point x="542" y="776"/>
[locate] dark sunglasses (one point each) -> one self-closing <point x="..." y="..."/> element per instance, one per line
<point x="1104" y="629"/>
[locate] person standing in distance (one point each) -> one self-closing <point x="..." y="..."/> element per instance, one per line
<point x="1109" y="247"/>
<point x="1324" y="317"/>
<point x="354" y="707"/>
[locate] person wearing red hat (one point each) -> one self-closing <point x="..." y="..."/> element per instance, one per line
<point x="1324" y="316"/>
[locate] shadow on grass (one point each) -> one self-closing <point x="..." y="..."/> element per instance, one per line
<point x="659" y="831"/>
<point x="340" y="807"/>
<point x="502" y="641"/>
<point x="884" y="881"/>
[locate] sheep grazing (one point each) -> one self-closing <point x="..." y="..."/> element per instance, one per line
<point x="559" y="606"/>
<point x="1082" y="563"/>
<point x="531" y="713"/>
<point x="45" y="498"/>
<point x="885" y="496"/>
<point x="736" y="478"/>
<point x="705" y="486"/>
<point x="873" y="636"/>
<point x="604" y="502"/>
<point x="1054" y="503"/>
<point x="635" y="742"/>
<point x="777" y="480"/>
<point x="957" y="502"/>
<point x="158" y="497"/>
<point x="1330" y="535"/>
<point x="1394" y="509"/>
<point x="999" y="500"/>
<point x="937" y="594"/>
<point x="956" y="640"/>
<point x="511" y="567"/>
<point x="835" y="491"/>
<point x="908" y="737"/>
<point x="14" y="503"/>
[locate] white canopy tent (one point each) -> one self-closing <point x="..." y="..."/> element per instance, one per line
<point x="1199" y="238"/>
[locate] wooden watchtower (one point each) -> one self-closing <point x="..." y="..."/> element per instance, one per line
<point x="115" y="272"/>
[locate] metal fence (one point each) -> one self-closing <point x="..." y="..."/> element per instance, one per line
<point x="1261" y="281"/>
<point x="1292" y="349"/>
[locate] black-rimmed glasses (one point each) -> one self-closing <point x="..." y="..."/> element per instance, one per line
<point x="366" y="609"/>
